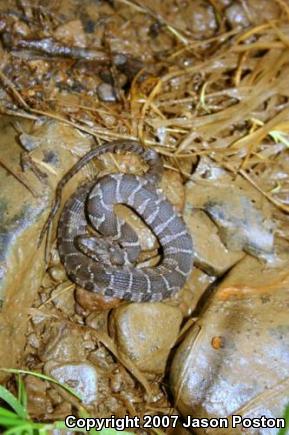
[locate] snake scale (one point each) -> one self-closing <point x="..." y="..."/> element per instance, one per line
<point x="99" y="250"/>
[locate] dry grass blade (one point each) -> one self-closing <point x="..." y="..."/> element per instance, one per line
<point x="284" y="6"/>
<point x="7" y="82"/>
<point x="20" y="178"/>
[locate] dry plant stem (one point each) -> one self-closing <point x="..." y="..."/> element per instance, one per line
<point x="258" y="46"/>
<point x="97" y="132"/>
<point x="255" y="137"/>
<point x="278" y="204"/>
<point x="7" y="83"/>
<point x="195" y="44"/>
<point x="281" y="35"/>
<point x="254" y="30"/>
<point x="20" y="178"/>
<point x="57" y="294"/>
<point x="239" y="71"/>
<point x="145" y="107"/>
<point x="17" y="113"/>
<point x="284" y="6"/>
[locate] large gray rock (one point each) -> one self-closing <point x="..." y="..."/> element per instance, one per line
<point x="24" y="205"/>
<point x="235" y="360"/>
<point x="226" y="218"/>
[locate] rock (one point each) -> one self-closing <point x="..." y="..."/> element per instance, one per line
<point x="195" y="286"/>
<point x="173" y="189"/>
<point x="93" y="302"/>
<point x="57" y="273"/>
<point x="211" y="255"/>
<point x="71" y="33"/>
<point x="24" y="201"/>
<point x="33" y="340"/>
<point x="97" y="320"/>
<point x="200" y="19"/>
<point x="60" y="412"/>
<point x="242" y="225"/>
<point x="82" y="377"/>
<point x="63" y="297"/>
<point x="29" y="142"/>
<point x="106" y="93"/>
<point x="65" y="342"/>
<point x="147" y="240"/>
<point x="146" y="333"/>
<point x="38" y="401"/>
<point x="235" y="359"/>
<point x="241" y="214"/>
<point x="236" y="16"/>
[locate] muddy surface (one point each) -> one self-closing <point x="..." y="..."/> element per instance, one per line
<point x="204" y="83"/>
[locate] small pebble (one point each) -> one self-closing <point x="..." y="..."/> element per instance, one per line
<point x="57" y="273"/>
<point x="106" y="93"/>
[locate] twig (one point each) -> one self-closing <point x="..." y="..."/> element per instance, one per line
<point x="7" y="82"/>
<point x="19" y="178"/>
<point x="52" y="48"/>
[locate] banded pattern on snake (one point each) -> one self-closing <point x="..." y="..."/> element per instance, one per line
<point x="99" y="250"/>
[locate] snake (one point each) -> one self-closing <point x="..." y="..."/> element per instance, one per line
<point x="100" y="251"/>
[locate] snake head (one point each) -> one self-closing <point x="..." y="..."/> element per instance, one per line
<point x="99" y="249"/>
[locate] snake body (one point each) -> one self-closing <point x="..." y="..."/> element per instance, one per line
<point x="99" y="250"/>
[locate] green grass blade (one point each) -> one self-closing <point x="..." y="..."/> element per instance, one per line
<point x="284" y="431"/>
<point x="12" y="422"/>
<point x="7" y="413"/>
<point x="12" y="402"/>
<point x="21" y="430"/>
<point x="22" y="395"/>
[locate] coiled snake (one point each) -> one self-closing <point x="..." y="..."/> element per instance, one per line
<point x="103" y="260"/>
